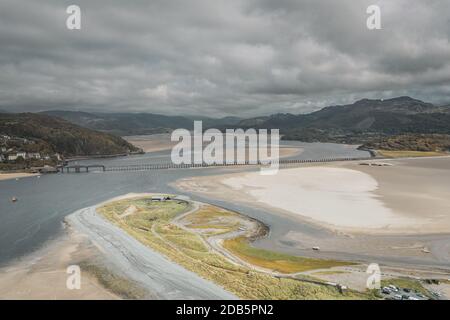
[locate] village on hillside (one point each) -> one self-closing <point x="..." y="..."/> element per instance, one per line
<point x="18" y="153"/>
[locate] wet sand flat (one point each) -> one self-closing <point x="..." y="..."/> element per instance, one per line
<point x="416" y="188"/>
<point x="162" y="142"/>
<point x="338" y="197"/>
<point x="42" y="275"/>
<point x="152" y="143"/>
<point x="408" y="197"/>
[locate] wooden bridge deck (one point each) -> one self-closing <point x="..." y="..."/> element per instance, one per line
<point x="80" y="168"/>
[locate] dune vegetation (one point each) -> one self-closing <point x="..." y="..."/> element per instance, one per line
<point x="407" y="154"/>
<point x="279" y="262"/>
<point x="152" y="223"/>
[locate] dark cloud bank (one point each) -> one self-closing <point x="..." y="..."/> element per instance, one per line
<point x="216" y="58"/>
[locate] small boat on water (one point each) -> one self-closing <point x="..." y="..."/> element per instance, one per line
<point x="14" y="199"/>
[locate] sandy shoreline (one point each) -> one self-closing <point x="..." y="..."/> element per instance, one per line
<point x="16" y="175"/>
<point x="162" y="142"/>
<point x="151" y="143"/>
<point x="401" y="199"/>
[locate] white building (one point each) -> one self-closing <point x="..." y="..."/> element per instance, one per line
<point x="34" y="155"/>
<point x="12" y="157"/>
<point x="22" y="154"/>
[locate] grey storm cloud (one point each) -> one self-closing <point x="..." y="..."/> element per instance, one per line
<point x="221" y="57"/>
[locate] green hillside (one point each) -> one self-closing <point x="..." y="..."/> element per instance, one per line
<point x="52" y="134"/>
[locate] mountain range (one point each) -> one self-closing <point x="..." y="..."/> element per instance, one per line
<point x="126" y="124"/>
<point x="352" y="123"/>
<point x="357" y="122"/>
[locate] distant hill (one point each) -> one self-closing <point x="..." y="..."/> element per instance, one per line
<point x="359" y="121"/>
<point x="215" y="122"/>
<point x="62" y="136"/>
<point x="124" y="124"/>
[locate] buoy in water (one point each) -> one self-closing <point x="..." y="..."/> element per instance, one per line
<point x="14" y="199"/>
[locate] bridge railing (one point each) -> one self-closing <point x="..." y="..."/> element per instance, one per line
<point x="163" y="166"/>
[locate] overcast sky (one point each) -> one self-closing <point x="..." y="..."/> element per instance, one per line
<point x="216" y="58"/>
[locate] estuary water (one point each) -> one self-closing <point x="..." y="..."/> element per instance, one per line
<point x="38" y="215"/>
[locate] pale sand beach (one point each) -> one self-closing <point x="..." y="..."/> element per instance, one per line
<point x="338" y="197"/>
<point x="408" y="197"/>
<point x="16" y="175"/>
<point x="152" y="143"/>
<point x="162" y="142"/>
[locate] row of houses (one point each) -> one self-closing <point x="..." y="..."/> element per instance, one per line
<point x="14" y="156"/>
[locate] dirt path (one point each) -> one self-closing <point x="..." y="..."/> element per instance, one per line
<point x="215" y="243"/>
